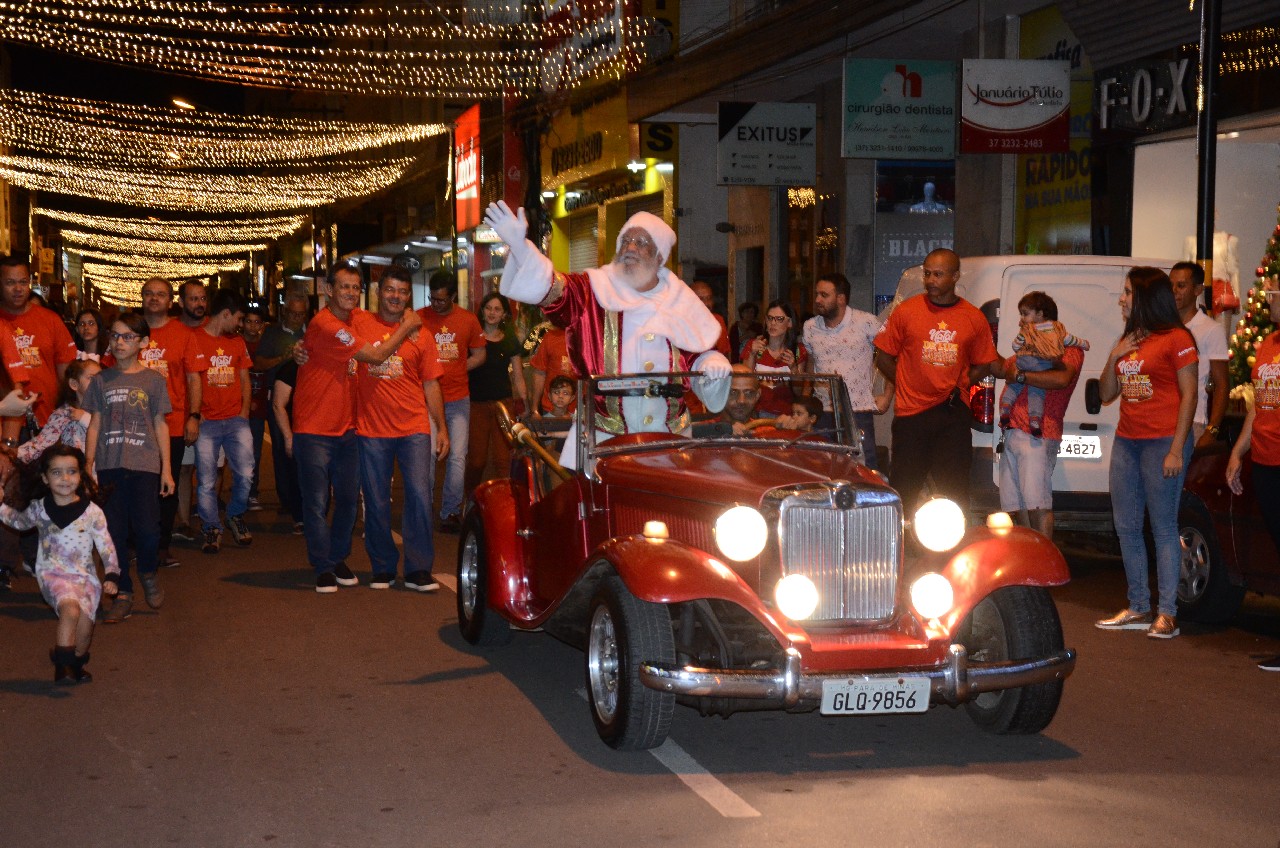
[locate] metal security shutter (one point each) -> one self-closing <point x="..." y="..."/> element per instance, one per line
<point x="583" y="249"/>
<point x="651" y="203"/>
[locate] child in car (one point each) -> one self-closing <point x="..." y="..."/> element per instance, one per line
<point x="1039" y="346"/>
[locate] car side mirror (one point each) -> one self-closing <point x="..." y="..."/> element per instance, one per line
<point x="1093" y="396"/>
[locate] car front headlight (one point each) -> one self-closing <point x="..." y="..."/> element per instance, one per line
<point x="939" y="524"/>
<point x="741" y="533"/>
<point x="932" y="595"/>
<point x="796" y="596"/>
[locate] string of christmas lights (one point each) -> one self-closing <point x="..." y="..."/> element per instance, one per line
<point x="182" y="190"/>
<point x="152" y="247"/>
<point x="122" y="283"/>
<point x="150" y="137"/>
<point x="206" y="231"/>
<point x="448" y="59"/>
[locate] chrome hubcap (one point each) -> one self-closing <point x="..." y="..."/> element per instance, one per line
<point x="468" y="575"/>
<point x="602" y="664"/>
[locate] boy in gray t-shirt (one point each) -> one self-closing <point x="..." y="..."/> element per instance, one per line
<point x="128" y="403"/>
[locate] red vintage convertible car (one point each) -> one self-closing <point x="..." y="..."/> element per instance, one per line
<point x="768" y="571"/>
<point x="1226" y="549"/>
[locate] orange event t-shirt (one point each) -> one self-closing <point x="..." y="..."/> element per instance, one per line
<point x="389" y="398"/>
<point x="324" y="399"/>
<point x="1149" y="384"/>
<point x="552" y="359"/>
<point x="456" y="335"/>
<point x="225" y="357"/>
<point x="935" y="345"/>
<point x="1265" y="439"/>
<point x="172" y="353"/>
<point x="43" y="344"/>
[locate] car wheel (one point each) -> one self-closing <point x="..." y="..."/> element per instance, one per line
<point x="623" y="632"/>
<point x="479" y="624"/>
<point x="1014" y="623"/>
<point x="1205" y="592"/>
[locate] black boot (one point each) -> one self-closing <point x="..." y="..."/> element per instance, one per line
<point x="78" y="670"/>
<point x="63" y="659"/>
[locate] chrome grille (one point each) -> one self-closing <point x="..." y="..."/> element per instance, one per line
<point x="847" y="542"/>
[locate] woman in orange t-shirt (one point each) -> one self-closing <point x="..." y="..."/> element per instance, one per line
<point x="1152" y="370"/>
<point x="1261" y="436"/>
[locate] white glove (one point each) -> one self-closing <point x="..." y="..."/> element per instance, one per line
<point x="715" y="366"/>
<point x="510" y="226"/>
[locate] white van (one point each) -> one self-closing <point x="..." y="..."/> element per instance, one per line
<point x="1087" y="291"/>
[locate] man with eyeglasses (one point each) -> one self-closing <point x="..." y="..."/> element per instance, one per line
<point x="841" y="340"/>
<point x="42" y="340"/>
<point x="631" y="316"/>
<point x="933" y="347"/>
<point x="460" y="347"/>
<point x="173" y="354"/>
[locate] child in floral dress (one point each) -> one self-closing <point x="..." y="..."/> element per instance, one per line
<point x="71" y="527"/>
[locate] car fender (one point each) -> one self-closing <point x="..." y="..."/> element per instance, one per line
<point x="495" y="503"/>
<point x="664" y="571"/>
<point x="990" y="559"/>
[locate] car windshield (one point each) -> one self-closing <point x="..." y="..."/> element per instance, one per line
<point x="652" y="411"/>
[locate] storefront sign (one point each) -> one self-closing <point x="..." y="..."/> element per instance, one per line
<point x="767" y="144"/>
<point x="586" y="139"/>
<point x="905" y="239"/>
<point x="596" y="195"/>
<point x="1148" y="96"/>
<point x="899" y="109"/>
<point x="466" y="180"/>
<point x="1054" y="190"/>
<point x="1015" y="106"/>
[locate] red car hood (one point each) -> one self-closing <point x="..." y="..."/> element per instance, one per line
<point x="732" y="473"/>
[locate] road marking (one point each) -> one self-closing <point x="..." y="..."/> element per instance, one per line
<point x="704" y="784"/>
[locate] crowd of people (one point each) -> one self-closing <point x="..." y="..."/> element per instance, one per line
<point x="109" y="426"/>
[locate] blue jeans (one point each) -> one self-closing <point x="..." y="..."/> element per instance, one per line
<point x="286" y="474"/>
<point x="133" y="512"/>
<point x="231" y="435"/>
<point x="417" y="471"/>
<point x="457" y="420"/>
<point x="865" y="422"/>
<point x="326" y="462"/>
<point x="1138" y="485"/>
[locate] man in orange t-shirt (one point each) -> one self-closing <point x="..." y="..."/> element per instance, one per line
<point x="224" y="419"/>
<point x="325" y="445"/>
<point x="933" y="347"/>
<point x="172" y="352"/>
<point x="398" y="407"/>
<point x="460" y="347"/>
<point x="42" y="340"/>
<point x="549" y="361"/>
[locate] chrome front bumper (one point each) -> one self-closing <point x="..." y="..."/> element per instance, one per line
<point x="954" y="683"/>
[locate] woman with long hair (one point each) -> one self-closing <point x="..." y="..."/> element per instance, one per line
<point x="89" y="335"/>
<point x="499" y="378"/>
<point x="777" y="351"/>
<point x="1152" y="370"/>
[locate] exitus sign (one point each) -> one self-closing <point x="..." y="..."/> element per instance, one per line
<point x="1147" y="96"/>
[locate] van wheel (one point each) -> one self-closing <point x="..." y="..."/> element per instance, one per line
<point x="1205" y="592"/>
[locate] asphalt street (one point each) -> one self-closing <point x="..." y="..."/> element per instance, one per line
<point x="252" y="711"/>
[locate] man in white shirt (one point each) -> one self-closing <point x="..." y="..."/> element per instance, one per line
<point x="1188" y="288"/>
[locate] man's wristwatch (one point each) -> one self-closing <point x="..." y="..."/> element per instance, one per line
<point x="1019" y="376"/>
<point x="194" y="415"/>
<point x="10" y="443"/>
<point x="1212" y="429"/>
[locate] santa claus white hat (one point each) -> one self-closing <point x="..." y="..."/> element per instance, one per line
<point x="663" y="236"/>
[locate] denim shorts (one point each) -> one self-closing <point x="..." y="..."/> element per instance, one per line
<point x="1026" y="471"/>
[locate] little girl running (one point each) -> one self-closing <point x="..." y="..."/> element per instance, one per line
<point x="69" y="422"/>
<point x="71" y="526"/>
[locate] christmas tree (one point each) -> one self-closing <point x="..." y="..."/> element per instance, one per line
<point x="1257" y="322"/>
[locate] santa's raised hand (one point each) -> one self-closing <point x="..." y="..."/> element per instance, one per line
<point x="510" y="226"/>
